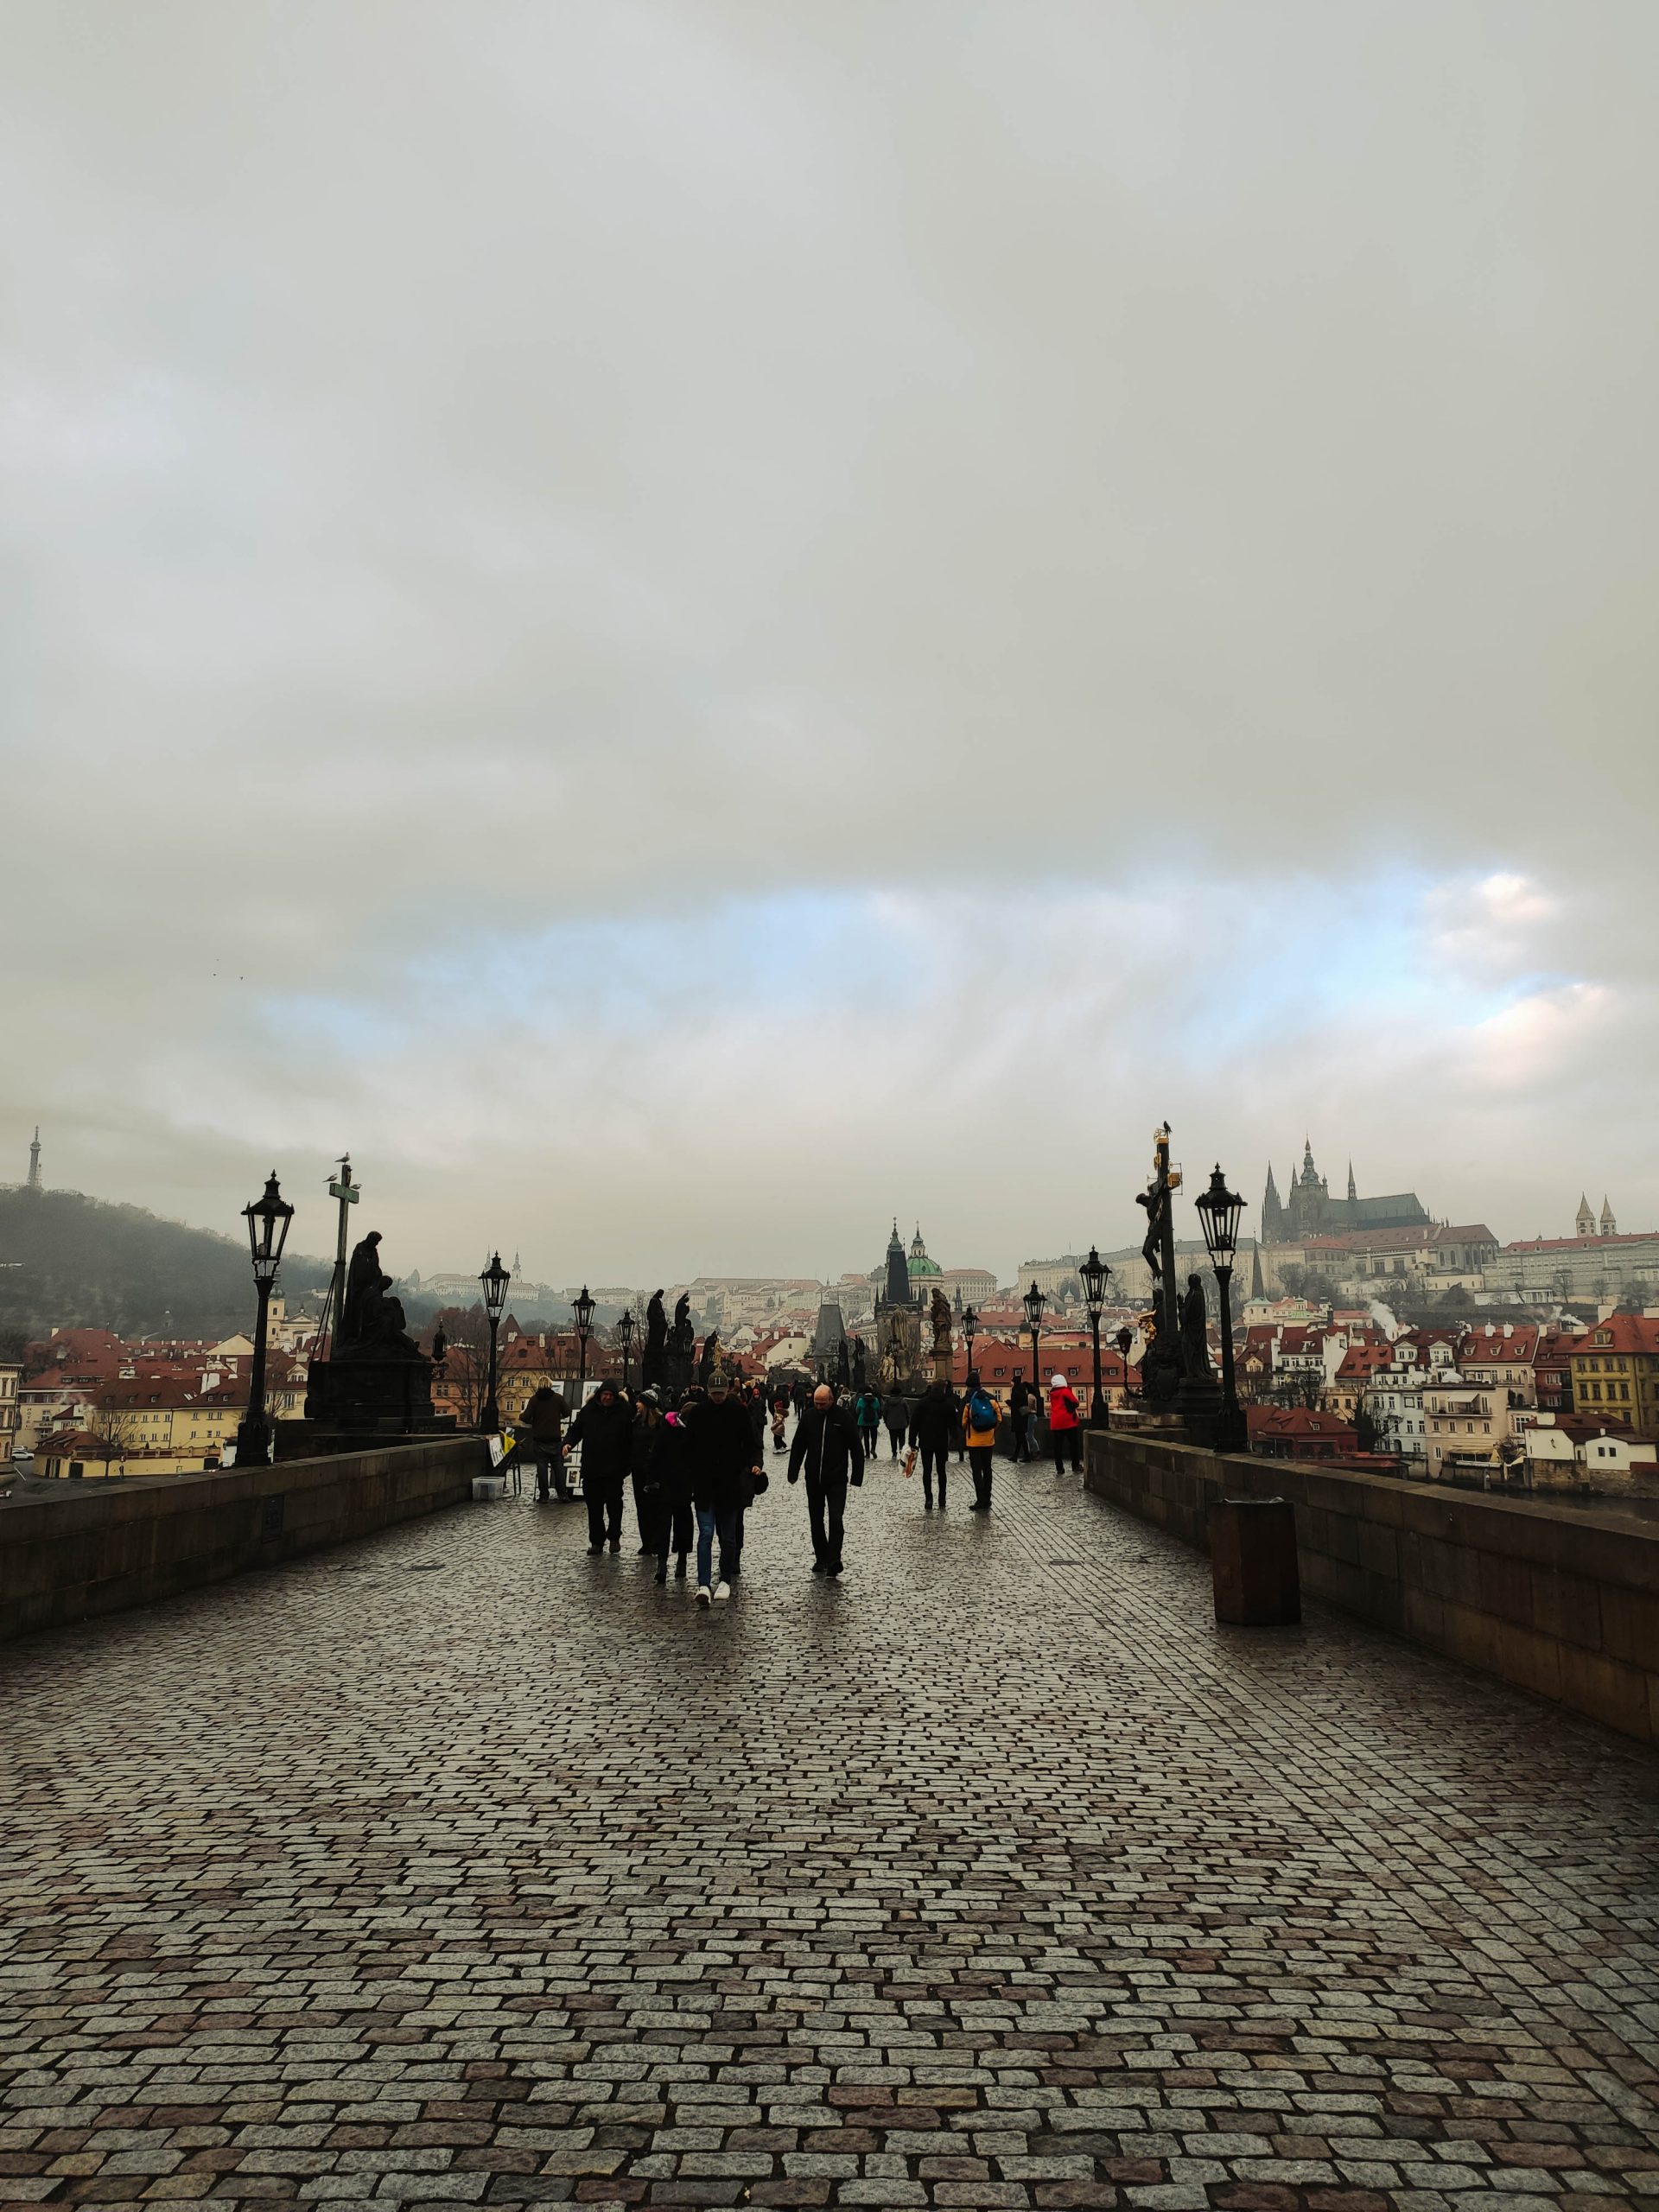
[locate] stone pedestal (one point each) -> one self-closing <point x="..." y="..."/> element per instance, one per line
<point x="374" y="1390"/>
<point x="1198" y="1403"/>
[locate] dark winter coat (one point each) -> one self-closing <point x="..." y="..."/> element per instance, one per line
<point x="896" y="1414"/>
<point x="828" y="1444"/>
<point x="546" y="1412"/>
<point x="659" y="1460"/>
<point x="937" y="1422"/>
<point x="721" y="1451"/>
<point x="606" y="1435"/>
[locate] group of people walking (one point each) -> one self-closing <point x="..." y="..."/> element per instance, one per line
<point x="695" y="1467"/>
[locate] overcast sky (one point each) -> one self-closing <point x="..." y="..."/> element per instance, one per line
<point x="689" y="625"/>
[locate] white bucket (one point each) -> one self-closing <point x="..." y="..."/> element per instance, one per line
<point x="489" y="1485"/>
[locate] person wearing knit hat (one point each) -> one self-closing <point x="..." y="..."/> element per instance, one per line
<point x="1064" y="1428"/>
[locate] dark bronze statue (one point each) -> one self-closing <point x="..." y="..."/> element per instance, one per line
<point x="711" y="1349"/>
<point x="939" y="1314"/>
<point x="653" y="1360"/>
<point x="1195" y="1329"/>
<point x="860" y="1373"/>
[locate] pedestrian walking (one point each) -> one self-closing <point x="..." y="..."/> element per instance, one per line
<point x="895" y="1414"/>
<point x="664" y="1480"/>
<point x="1018" y="1429"/>
<point x="780" y="1417"/>
<point x="828" y="1448"/>
<point x="935" y="1426"/>
<point x="979" y="1427"/>
<point x="867" y="1411"/>
<point x="604" y="1428"/>
<point x="544" y="1415"/>
<point x="726" y="1473"/>
<point x="1064" y="1430"/>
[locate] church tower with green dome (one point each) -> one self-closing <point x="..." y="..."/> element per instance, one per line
<point x="919" y="1267"/>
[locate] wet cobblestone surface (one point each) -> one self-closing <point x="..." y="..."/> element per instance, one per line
<point x="459" y="1868"/>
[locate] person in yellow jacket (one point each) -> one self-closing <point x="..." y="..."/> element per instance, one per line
<point x="979" y="1428"/>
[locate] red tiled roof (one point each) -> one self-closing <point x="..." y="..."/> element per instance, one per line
<point x="1629" y="1332"/>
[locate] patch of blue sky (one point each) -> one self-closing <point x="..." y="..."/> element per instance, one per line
<point x="776" y="947"/>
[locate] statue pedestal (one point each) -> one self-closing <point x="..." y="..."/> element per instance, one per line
<point x="1198" y="1403"/>
<point x="378" y="1389"/>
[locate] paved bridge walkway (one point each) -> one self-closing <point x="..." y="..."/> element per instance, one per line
<point x="459" y="1868"/>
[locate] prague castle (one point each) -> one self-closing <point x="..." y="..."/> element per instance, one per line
<point x="1310" y="1210"/>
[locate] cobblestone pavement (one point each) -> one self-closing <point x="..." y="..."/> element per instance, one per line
<point x="459" y="1868"/>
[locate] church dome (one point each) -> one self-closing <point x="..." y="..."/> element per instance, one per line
<point x="919" y="1263"/>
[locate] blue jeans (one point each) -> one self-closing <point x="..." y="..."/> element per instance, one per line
<point x="711" y="1522"/>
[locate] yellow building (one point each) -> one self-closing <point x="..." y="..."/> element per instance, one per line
<point x="154" y="1427"/>
<point x="1616" y="1372"/>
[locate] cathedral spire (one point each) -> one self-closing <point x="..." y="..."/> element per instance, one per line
<point x="1257" y="1289"/>
<point x="1353" y="1188"/>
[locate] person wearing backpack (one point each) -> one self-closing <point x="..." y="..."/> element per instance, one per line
<point x="1064" y="1430"/>
<point x="866" y="1411"/>
<point x="979" y="1427"/>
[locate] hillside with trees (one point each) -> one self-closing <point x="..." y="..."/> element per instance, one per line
<point x="70" y="1262"/>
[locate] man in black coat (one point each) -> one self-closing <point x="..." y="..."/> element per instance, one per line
<point x="935" y="1426"/>
<point x="828" y="1447"/>
<point x="604" y="1428"/>
<point x="724" y="1462"/>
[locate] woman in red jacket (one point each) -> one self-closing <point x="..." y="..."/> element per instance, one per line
<point x="1064" y="1429"/>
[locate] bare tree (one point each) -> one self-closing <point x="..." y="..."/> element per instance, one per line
<point x="111" y="1433"/>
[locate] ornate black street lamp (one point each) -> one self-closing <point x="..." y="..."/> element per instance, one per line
<point x="625" y="1337"/>
<point x="1093" y="1272"/>
<point x="1123" y="1339"/>
<point x="583" y="1310"/>
<point x="1219" y="1210"/>
<point x="1035" y="1305"/>
<point x="969" y="1330"/>
<point x="267" y="1218"/>
<point x="494" y="1280"/>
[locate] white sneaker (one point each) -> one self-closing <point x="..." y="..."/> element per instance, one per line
<point x="723" y="1590"/>
<point x="703" y="1593"/>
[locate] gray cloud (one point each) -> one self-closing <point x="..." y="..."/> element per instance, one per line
<point x="495" y="496"/>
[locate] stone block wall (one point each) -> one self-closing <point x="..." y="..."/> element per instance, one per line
<point x="95" y="1550"/>
<point x="1559" y="1600"/>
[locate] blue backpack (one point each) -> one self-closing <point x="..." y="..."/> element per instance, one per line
<point x="982" y="1411"/>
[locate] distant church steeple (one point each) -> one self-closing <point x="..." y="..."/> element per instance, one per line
<point x="1609" y="1226"/>
<point x="1586" y="1217"/>
<point x="1256" y="1287"/>
<point x="1353" y="1187"/>
<point x="34" y="1183"/>
<point x="898" y="1285"/>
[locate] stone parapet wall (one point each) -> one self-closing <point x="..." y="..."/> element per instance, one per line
<point x="1562" y="1602"/>
<point x="66" y="1558"/>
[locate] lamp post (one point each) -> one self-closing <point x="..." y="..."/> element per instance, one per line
<point x="583" y="1310"/>
<point x="1219" y="1210"/>
<point x="969" y="1330"/>
<point x="1035" y="1305"/>
<point x="494" y="1280"/>
<point x="1123" y="1339"/>
<point x="1093" y="1272"/>
<point x="625" y="1337"/>
<point x="267" y="1218"/>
